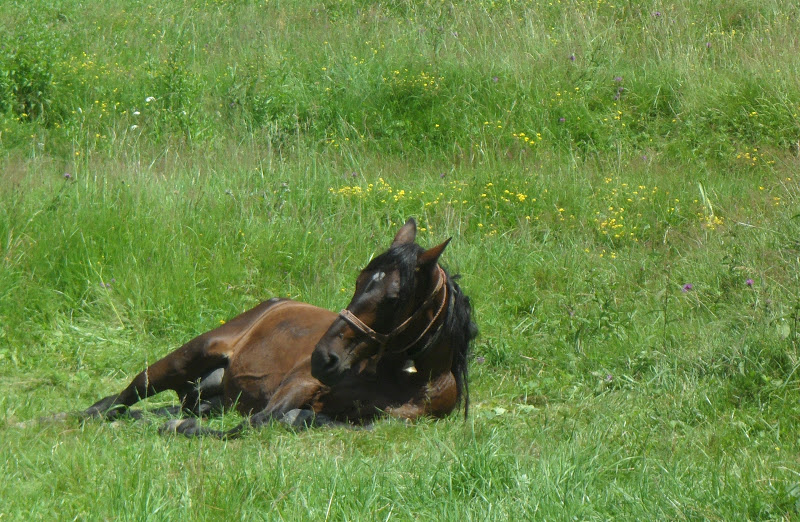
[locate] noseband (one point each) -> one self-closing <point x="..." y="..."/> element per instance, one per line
<point x="383" y="339"/>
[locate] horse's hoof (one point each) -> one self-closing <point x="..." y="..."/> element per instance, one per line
<point x="177" y="426"/>
<point x="299" y="419"/>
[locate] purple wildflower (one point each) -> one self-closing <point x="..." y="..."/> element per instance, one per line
<point x="687" y="287"/>
<point x="618" y="79"/>
<point x="749" y="282"/>
<point x="571" y="57"/>
<point x="67" y="176"/>
<point x="562" y="119"/>
<point x="495" y="79"/>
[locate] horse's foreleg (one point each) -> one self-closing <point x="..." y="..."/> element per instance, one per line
<point x="406" y="412"/>
<point x="178" y="371"/>
<point x="290" y="404"/>
<point x="439" y="399"/>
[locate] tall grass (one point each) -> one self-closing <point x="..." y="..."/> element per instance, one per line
<point x="620" y="182"/>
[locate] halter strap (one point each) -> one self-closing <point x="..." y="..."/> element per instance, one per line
<point x="362" y="327"/>
<point x="383" y="339"/>
<point x="435" y="318"/>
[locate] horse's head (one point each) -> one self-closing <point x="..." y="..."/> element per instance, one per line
<point x="391" y="293"/>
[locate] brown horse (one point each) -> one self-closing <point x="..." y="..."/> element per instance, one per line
<point x="399" y="348"/>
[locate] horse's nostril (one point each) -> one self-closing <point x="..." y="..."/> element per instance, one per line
<point x="332" y="362"/>
<point x="324" y="364"/>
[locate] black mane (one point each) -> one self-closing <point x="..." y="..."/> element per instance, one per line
<point x="460" y="328"/>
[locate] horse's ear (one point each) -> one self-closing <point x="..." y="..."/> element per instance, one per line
<point x="431" y="256"/>
<point x="407" y="233"/>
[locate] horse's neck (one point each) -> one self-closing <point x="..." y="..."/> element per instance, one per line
<point x="432" y="362"/>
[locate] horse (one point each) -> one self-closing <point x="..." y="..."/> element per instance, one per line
<point x="399" y="349"/>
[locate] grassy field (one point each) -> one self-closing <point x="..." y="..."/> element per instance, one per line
<point x="620" y="180"/>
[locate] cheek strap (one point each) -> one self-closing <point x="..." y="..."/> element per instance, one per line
<point x="362" y="327"/>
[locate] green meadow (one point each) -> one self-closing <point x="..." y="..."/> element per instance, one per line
<point x="621" y="181"/>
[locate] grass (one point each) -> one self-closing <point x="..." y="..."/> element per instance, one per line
<point x="620" y="182"/>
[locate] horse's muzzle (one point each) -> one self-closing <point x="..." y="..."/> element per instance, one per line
<point x="326" y="366"/>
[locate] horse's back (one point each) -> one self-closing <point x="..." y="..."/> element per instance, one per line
<point x="274" y="338"/>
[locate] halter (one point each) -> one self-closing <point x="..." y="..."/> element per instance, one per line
<point x="383" y="339"/>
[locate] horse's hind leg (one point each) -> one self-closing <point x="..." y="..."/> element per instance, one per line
<point x="204" y="398"/>
<point x="179" y="371"/>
